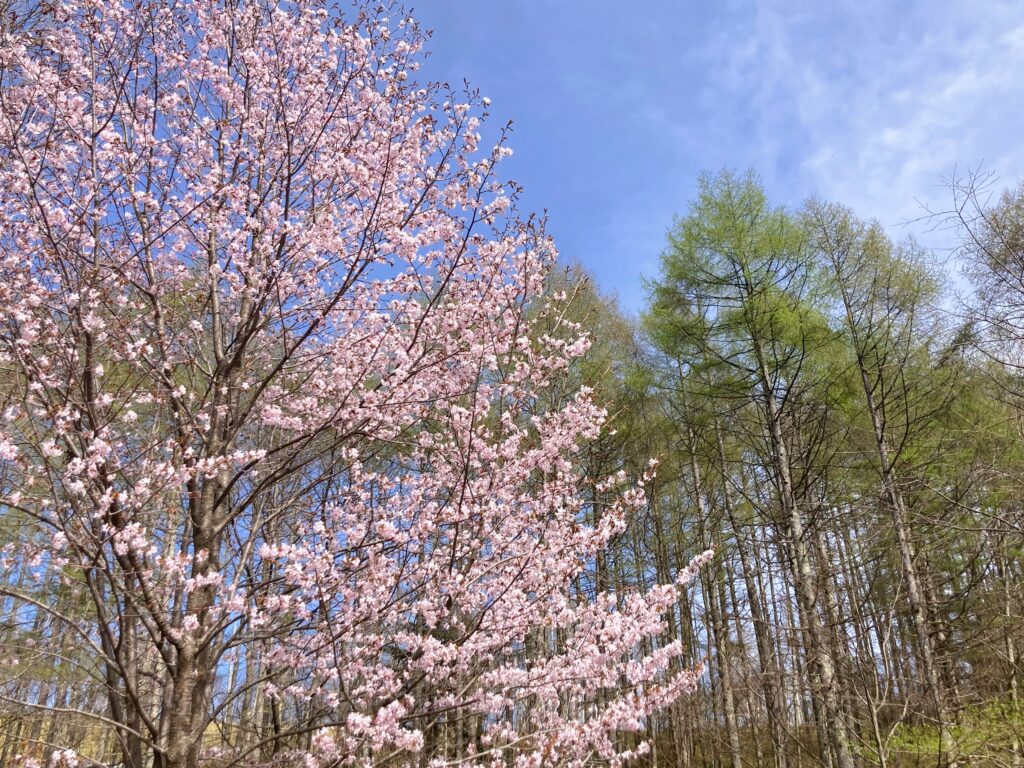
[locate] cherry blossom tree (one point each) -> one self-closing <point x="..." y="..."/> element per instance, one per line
<point x="288" y="477"/>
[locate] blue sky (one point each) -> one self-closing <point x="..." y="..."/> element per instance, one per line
<point x="618" y="106"/>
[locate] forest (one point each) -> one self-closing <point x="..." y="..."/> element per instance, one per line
<point x="314" y="453"/>
<point x="845" y="435"/>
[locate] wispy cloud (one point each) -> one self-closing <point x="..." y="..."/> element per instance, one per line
<point x="877" y="103"/>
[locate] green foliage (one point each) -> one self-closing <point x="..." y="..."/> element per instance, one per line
<point x="985" y="736"/>
<point x="738" y="289"/>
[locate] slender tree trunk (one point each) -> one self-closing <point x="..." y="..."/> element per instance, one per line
<point x="803" y="578"/>
<point x="835" y="634"/>
<point x="915" y="597"/>
<point x="770" y="673"/>
<point x="718" y="629"/>
<point x="1010" y="645"/>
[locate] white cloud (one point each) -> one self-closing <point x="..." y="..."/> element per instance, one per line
<point x="879" y="102"/>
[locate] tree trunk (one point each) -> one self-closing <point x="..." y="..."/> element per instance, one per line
<point x="770" y="673"/>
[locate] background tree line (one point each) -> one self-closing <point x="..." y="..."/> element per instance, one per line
<point x="847" y="436"/>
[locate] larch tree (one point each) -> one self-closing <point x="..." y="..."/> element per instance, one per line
<point x="286" y="477"/>
<point x="735" y="286"/>
<point x="884" y="293"/>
